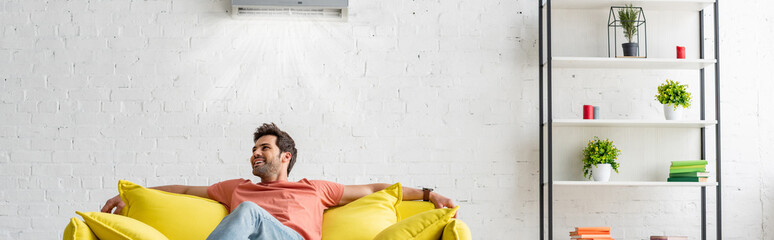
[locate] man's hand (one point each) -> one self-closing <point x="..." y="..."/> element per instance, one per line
<point x="114" y="202"/>
<point x="441" y="201"/>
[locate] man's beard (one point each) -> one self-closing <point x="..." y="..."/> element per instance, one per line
<point x="268" y="169"/>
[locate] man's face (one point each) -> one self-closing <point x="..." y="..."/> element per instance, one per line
<point x="266" y="159"/>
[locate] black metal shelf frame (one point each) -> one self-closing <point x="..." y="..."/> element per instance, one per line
<point x="545" y="107"/>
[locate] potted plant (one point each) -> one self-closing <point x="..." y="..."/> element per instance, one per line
<point x="599" y="158"/>
<point x="673" y="94"/>
<point x="628" y="16"/>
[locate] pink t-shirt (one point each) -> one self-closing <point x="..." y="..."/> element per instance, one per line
<point x="298" y="205"/>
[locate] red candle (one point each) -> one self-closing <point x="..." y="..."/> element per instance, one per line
<point x="680" y="52"/>
<point x="588" y="112"/>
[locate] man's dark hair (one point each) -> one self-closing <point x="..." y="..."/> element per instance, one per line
<point x="284" y="141"/>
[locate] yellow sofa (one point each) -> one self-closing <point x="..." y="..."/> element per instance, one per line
<point x="153" y="214"/>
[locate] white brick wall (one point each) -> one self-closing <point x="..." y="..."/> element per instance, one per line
<point x="427" y="93"/>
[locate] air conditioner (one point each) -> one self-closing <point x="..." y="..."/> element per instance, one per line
<point x="335" y="10"/>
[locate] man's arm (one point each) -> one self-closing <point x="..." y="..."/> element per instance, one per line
<point x="354" y="192"/>
<point x="118" y="204"/>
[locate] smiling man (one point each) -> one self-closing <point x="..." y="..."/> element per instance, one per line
<point x="275" y="208"/>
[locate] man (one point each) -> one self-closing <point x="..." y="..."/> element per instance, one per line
<point x="275" y="208"/>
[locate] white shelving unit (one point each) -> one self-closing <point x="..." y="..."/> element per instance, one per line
<point x="631" y="63"/>
<point x="565" y="173"/>
<point x="632" y="123"/>
<point x="682" y="5"/>
<point x="635" y="184"/>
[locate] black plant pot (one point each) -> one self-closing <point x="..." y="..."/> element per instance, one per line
<point x="630" y="49"/>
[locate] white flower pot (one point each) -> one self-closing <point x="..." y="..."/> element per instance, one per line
<point x="601" y="172"/>
<point x="673" y="113"/>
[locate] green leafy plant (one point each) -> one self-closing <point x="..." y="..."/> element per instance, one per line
<point x="599" y="152"/>
<point x="628" y="16"/>
<point x="674" y="93"/>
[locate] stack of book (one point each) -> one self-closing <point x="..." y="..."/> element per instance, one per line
<point x="591" y="233"/>
<point x="688" y="171"/>
<point x="668" y="238"/>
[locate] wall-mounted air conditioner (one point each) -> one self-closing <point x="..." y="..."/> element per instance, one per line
<point x="291" y="9"/>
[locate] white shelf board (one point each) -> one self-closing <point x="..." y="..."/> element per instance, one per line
<point x="634" y="184"/>
<point x="630" y="63"/>
<point x="632" y="123"/>
<point x="684" y="5"/>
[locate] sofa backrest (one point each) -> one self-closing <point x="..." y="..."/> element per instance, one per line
<point x="409" y="208"/>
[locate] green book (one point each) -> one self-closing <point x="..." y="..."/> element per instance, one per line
<point x="686" y="170"/>
<point x="688" y="163"/>
<point x="686" y="179"/>
<point x="688" y="166"/>
<point x="690" y="174"/>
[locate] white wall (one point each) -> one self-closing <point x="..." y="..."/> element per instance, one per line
<point x="428" y="93"/>
<point x="747" y="113"/>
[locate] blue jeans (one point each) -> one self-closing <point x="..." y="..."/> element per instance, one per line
<point x="249" y="221"/>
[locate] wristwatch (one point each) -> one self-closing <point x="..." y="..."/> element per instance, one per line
<point x="426" y="194"/>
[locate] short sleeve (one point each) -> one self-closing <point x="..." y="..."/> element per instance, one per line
<point x="223" y="191"/>
<point x="330" y="192"/>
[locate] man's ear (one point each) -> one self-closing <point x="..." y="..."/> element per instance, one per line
<point x="286" y="156"/>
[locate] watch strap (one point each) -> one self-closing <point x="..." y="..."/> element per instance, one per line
<point x="426" y="194"/>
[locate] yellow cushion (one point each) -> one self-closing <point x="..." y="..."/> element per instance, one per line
<point x="411" y="208"/>
<point x="456" y="230"/>
<point x="78" y="230"/>
<point x="177" y="216"/>
<point x="363" y="218"/>
<point x="427" y="225"/>
<point x="116" y="227"/>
